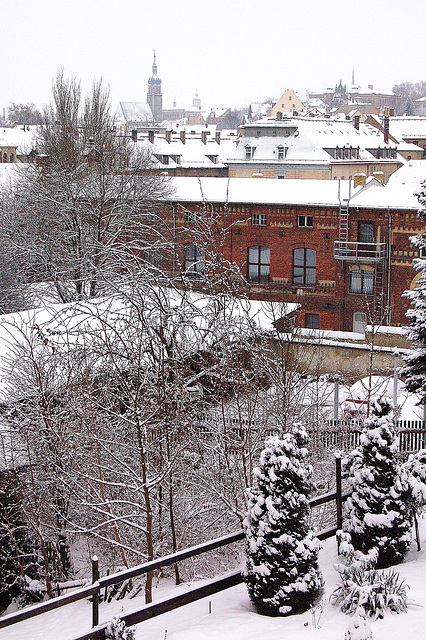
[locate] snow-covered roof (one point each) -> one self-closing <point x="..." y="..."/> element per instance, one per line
<point x="191" y="153"/>
<point x="398" y="193"/>
<point x="133" y="112"/>
<point x="306" y="139"/>
<point x="408" y="127"/>
<point x="66" y="323"/>
<point x="22" y="137"/>
<point x="261" y="191"/>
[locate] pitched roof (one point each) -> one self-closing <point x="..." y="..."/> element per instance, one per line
<point x="134" y="112"/>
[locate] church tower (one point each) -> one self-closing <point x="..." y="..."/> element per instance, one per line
<point x="154" y="96"/>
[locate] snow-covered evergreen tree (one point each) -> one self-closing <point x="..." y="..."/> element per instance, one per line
<point x="415" y="367"/>
<point x="282" y="572"/>
<point x="377" y="514"/>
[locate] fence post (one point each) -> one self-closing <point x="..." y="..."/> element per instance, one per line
<point x="339" y="492"/>
<point x="95" y="600"/>
<point x="336" y="402"/>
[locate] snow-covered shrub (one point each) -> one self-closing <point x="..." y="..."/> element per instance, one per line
<point x="376" y="591"/>
<point x="378" y="514"/>
<point x="282" y="572"/>
<point x="364" y="589"/>
<point x="415" y="469"/>
<point x="415" y="361"/>
<point x="117" y="630"/>
<point x="19" y="569"/>
<point x="358" y="629"/>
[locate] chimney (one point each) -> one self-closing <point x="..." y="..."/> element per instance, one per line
<point x="359" y="179"/>
<point x="391" y="112"/>
<point x="279" y="115"/>
<point x="217" y="136"/>
<point x="168" y="135"/>
<point x="386" y="128"/>
<point x="182" y="136"/>
<point x="204" y="135"/>
<point x="151" y="136"/>
<point x="370" y="86"/>
<point x="379" y="175"/>
<point x="356" y="122"/>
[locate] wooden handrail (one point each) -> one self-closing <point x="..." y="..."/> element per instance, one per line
<point x="49" y="605"/>
<point x="213" y="586"/>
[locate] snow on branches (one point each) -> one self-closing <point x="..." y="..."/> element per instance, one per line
<point x="282" y="572"/>
<point x="377" y="513"/>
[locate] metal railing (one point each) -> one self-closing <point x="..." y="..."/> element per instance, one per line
<point x="360" y="251"/>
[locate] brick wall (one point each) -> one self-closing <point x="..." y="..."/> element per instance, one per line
<point x="330" y="297"/>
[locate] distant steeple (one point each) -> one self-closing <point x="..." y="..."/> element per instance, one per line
<point x="196" y="101"/>
<point x="154" y="96"/>
<point x="154" y="66"/>
<point x="353" y="76"/>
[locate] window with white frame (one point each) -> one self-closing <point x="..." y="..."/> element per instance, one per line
<point x="362" y="281"/>
<point x="306" y="222"/>
<point x="249" y="152"/>
<point x="258" y="264"/>
<point x="258" y="219"/>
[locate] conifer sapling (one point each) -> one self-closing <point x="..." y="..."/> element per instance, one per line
<point x="282" y="573"/>
<point x="377" y="513"/>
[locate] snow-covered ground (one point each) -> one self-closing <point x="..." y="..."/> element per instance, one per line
<point x="233" y="617"/>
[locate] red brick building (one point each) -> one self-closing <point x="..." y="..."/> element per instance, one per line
<point x="342" y="253"/>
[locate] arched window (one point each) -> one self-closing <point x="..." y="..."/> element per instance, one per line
<point x="11" y="158"/>
<point x="304" y="267"/>
<point x="258" y="264"/>
<point x="5" y="157"/>
<point x="194" y="258"/>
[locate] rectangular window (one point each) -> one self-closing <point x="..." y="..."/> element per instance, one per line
<point x="258" y="264"/>
<point x="312" y="320"/>
<point x="304" y="267"/>
<point x="305" y="221"/>
<point x="258" y="219"/>
<point x="362" y="281"/>
<point x="281" y="152"/>
<point x="365" y="232"/>
<point x="249" y="152"/>
<point x="192" y="217"/>
<point x="194" y="258"/>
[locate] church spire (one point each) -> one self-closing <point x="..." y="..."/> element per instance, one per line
<point x="154" y="66"/>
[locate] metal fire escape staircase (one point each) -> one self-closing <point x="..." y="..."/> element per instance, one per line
<point x="373" y="253"/>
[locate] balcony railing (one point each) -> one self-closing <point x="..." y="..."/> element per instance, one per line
<point x="360" y="251"/>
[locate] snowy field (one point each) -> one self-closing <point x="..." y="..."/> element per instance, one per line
<point x="233" y="617"/>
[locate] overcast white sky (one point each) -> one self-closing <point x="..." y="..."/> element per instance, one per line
<point x="231" y="51"/>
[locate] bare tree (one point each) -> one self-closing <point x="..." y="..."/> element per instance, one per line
<point x="23" y="114"/>
<point x="89" y="202"/>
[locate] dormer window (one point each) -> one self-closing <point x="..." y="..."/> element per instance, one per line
<point x="249" y="152"/>
<point x="281" y="152"/>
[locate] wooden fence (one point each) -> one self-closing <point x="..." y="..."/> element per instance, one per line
<point x="151" y="610"/>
